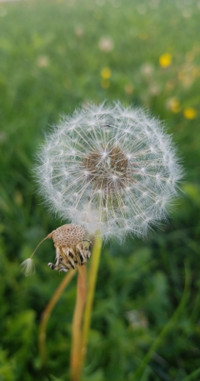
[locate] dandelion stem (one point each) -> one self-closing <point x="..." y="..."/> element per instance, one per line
<point x="77" y="323"/>
<point x="90" y="296"/>
<point x="47" y="312"/>
<point x="38" y="245"/>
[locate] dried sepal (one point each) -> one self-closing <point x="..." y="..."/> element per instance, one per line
<point x="72" y="249"/>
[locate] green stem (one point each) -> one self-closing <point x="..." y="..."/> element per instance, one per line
<point x="90" y="297"/>
<point x="47" y="312"/>
<point x="77" y="321"/>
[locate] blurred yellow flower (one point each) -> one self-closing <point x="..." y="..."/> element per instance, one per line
<point x="173" y="105"/>
<point x="106" y="73"/>
<point x="165" y="60"/>
<point x="190" y="113"/>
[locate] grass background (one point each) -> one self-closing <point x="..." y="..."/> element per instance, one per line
<point x="53" y="59"/>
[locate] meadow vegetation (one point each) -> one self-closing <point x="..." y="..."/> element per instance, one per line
<point x="54" y="57"/>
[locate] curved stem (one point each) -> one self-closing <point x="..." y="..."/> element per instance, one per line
<point x="90" y="296"/>
<point x="46" y="314"/>
<point x="77" y="321"/>
<point x="38" y="245"/>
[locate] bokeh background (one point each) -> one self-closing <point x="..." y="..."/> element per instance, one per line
<point x="55" y="56"/>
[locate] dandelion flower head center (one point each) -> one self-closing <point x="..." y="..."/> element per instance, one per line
<point x="108" y="170"/>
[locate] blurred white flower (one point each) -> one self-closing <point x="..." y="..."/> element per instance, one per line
<point x="109" y="168"/>
<point x="137" y="319"/>
<point x="43" y="61"/>
<point x="79" y="31"/>
<point x="154" y="89"/>
<point x="147" y="70"/>
<point x="106" y="44"/>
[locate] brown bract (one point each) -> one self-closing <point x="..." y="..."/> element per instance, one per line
<point x="72" y="249"/>
<point x="68" y="235"/>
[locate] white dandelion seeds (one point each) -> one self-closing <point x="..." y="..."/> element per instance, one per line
<point x="111" y="169"/>
<point x="28" y="267"/>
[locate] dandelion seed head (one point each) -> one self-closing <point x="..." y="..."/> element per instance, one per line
<point x="109" y="168"/>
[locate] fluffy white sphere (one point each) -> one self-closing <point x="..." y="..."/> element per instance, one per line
<point x="110" y="169"/>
